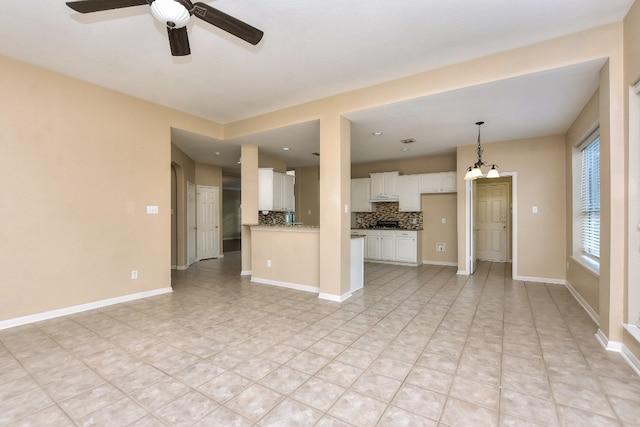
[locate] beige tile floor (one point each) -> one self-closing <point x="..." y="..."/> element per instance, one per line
<point x="417" y="347"/>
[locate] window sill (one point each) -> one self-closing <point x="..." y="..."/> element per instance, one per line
<point x="633" y="330"/>
<point x="588" y="263"/>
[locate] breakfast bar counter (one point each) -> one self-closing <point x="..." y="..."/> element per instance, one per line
<point x="289" y="256"/>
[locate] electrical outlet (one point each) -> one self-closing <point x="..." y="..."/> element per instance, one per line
<point x="134" y="274"/>
<point x="439" y="247"/>
<point x="268" y="263"/>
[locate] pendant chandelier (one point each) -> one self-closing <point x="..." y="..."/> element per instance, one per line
<point x="475" y="171"/>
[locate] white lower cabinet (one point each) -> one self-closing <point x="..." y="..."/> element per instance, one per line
<point x="407" y="246"/>
<point x="388" y="245"/>
<point x="391" y="245"/>
<point x="372" y="245"/>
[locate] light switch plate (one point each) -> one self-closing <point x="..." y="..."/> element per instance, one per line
<point x="152" y="210"/>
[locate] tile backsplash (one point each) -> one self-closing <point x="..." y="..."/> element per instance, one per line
<point x="389" y="211"/>
<point x="383" y="211"/>
<point x="272" y="218"/>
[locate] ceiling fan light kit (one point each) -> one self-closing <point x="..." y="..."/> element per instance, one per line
<point x="474" y="171"/>
<point x="171" y="13"/>
<point x="175" y="14"/>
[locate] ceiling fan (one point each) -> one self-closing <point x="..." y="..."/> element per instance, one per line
<point x="175" y="15"/>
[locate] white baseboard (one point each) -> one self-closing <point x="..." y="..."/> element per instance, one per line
<point x="335" y="298"/>
<point x="182" y="267"/>
<point x="245" y="273"/>
<point x="606" y="344"/>
<point x="541" y="280"/>
<point x="379" y="261"/>
<point x="32" y="318"/>
<point x="631" y="359"/>
<point x="447" y="263"/>
<point x="590" y="311"/>
<point x="296" y="286"/>
<point x="462" y="273"/>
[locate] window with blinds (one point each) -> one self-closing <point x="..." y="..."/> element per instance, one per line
<point x="590" y="197"/>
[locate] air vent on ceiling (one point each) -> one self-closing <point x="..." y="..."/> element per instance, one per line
<point x="408" y="141"/>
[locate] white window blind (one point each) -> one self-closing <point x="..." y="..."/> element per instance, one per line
<point x="590" y="198"/>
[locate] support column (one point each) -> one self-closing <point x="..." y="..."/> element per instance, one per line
<point x="248" y="201"/>
<point x="613" y="208"/>
<point x="335" y="207"/>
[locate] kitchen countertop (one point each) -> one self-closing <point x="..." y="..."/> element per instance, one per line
<point x="282" y="227"/>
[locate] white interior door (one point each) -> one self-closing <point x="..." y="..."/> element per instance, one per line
<point x="208" y="218"/>
<point x="191" y="223"/>
<point x="492" y="207"/>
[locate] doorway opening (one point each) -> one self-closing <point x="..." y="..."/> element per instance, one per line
<point x="491" y="221"/>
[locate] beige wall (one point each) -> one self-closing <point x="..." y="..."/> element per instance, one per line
<point x="185" y="171"/>
<point x="84" y="163"/>
<point x="267" y="161"/>
<point x="412" y="165"/>
<point x="307" y="192"/>
<point x="579" y="277"/>
<point x="539" y="164"/>
<point x="435" y="207"/>
<point x="632" y="166"/>
<point x="294" y="255"/>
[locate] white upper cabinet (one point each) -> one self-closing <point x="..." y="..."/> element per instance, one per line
<point x="360" y="190"/>
<point x="439" y="182"/>
<point x="409" y="193"/>
<point x="384" y="186"/>
<point x="288" y="195"/>
<point x="275" y="191"/>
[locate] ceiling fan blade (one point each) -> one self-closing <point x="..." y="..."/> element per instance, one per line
<point x="227" y="23"/>
<point x="179" y="41"/>
<point x="88" y="6"/>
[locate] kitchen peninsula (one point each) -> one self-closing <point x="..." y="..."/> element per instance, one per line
<point x="289" y="256"/>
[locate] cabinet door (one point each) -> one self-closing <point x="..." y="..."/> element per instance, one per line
<point x="278" y="191"/>
<point x="377" y="185"/>
<point x="391" y="184"/>
<point x="372" y="247"/>
<point x="360" y="193"/>
<point x="388" y="246"/>
<point x="448" y="182"/>
<point x="265" y="189"/>
<point x="289" y="198"/>
<point x="406" y="249"/>
<point x="429" y="183"/>
<point x="409" y="193"/>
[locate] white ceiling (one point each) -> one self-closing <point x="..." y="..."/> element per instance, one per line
<point x="318" y="48"/>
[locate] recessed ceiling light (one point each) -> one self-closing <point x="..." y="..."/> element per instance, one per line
<point x="404" y="149"/>
<point x="217" y="153"/>
<point x="376" y="133"/>
<point x="286" y="148"/>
